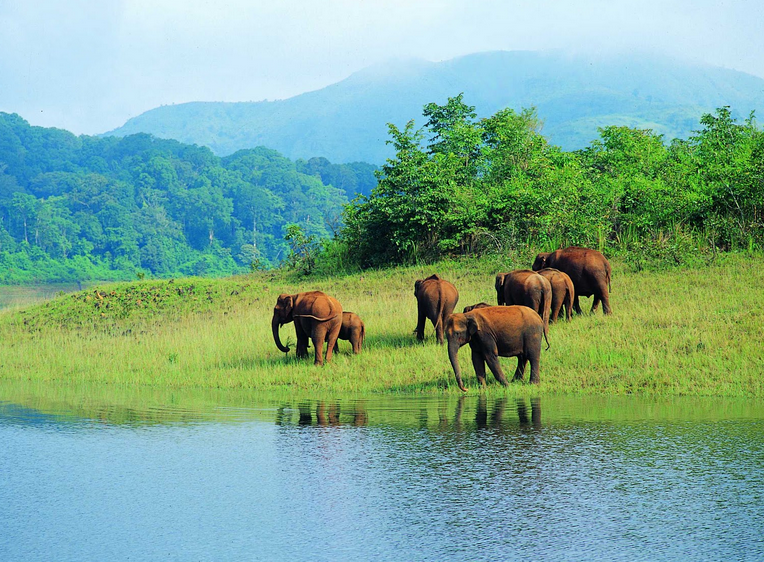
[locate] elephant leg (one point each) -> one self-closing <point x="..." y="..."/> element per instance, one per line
<point x="439" y="330"/>
<point x="595" y="303"/>
<point x="520" y="371"/>
<point x="493" y="363"/>
<point x="356" y="342"/>
<point x="606" y="303"/>
<point x="420" y="324"/>
<point x="331" y="334"/>
<point x="534" y="359"/>
<point x="302" y="340"/>
<point x="478" y="362"/>
<point x="318" y="342"/>
<point x="577" y="305"/>
<point x="555" y="311"/>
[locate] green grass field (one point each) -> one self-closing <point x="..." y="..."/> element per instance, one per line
<point x="678" y="332"/>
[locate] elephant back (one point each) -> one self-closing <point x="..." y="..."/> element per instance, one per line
<point x="317" y="305"/>
<point x="586" y="267"/>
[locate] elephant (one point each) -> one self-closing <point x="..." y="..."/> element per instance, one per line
<point x="493" y="332"/>
<point x="563" y="292"/>
<point x="588" y="269"/>
<point x="474" y="306"/>
<point x="526" y="287"/>
<point x="436" y="300"/>
<point x="500" y="288"/>
<point x="316" y="315"/>
<point x="352" y="330"/>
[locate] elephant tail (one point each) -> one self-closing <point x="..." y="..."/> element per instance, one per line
<point x="607" y="274"/>
<point x="439" y="310"/>
<point x="546" y="304"/>
<point x="315" y="317"/>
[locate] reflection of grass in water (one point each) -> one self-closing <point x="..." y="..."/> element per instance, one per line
<point x="672" y="333"/>
<point x="144" y="405"/>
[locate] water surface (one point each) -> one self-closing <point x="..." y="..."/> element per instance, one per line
<point x="226" y="476"/>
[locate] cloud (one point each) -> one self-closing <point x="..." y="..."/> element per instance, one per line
<point x="88" y="65"/>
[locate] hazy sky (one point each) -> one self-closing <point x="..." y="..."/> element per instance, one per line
<point x="89" y="65"/>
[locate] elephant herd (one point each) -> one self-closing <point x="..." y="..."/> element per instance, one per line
<point x="527" y="300"/>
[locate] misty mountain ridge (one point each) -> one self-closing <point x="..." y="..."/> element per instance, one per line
<point x="573" y="95"/>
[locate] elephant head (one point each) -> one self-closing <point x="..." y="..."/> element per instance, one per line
<point x="474" y="306"/>
<point x="499" y="288"/>
<point x="282" y="314"/>
<point x="418" y="282"/>
<point x="459" y="330"/>
<point x="542" y="261"/>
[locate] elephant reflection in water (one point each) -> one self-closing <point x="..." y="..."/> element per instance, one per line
<point x="495" y="419"/>
<point x="329" y="414"/>
<point x="522" y="413"/>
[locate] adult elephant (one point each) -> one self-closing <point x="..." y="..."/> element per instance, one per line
<point x="353" y="330"/>
<point x="563" y="292"/>
<point x="493" y="332"/>
<point x="436" y="299"/>
<point x="588" y="269"/>
<point x="316" y="315"/>
<point x="528" y="288"/>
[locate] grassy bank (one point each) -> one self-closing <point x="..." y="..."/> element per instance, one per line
<point x="678" y="332"/>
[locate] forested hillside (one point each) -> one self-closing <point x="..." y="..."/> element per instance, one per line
<point x="77" y="208"/>
<point x="573" y="96"/>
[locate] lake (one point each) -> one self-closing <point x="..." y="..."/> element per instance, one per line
<point x="16" y="296"/>
<point x="109" y="474"/>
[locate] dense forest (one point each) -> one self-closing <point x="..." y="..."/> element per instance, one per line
<point x="79" y="208"/>
<point x="466" y="185"/>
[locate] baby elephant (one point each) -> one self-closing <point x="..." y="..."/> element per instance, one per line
<point x="353" y="330"/>
<point x="493" y="332"/>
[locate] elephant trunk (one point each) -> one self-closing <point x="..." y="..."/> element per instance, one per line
<point x="453" y="351"/>
<point x="275" y="325"/>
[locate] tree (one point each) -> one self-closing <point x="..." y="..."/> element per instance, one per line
<point x="26" y="207"/>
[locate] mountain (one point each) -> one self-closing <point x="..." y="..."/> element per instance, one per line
<point x="574" y="95"/>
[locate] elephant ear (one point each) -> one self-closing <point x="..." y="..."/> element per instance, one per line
<point x="540" y="262"/>
<point x="473" y="325"/>
<point x="500" y="281"/>
<point x="417" y="284"/>
<point x="288" y="302"/>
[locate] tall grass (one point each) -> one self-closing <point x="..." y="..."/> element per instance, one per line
<point x="690" y="331"/>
